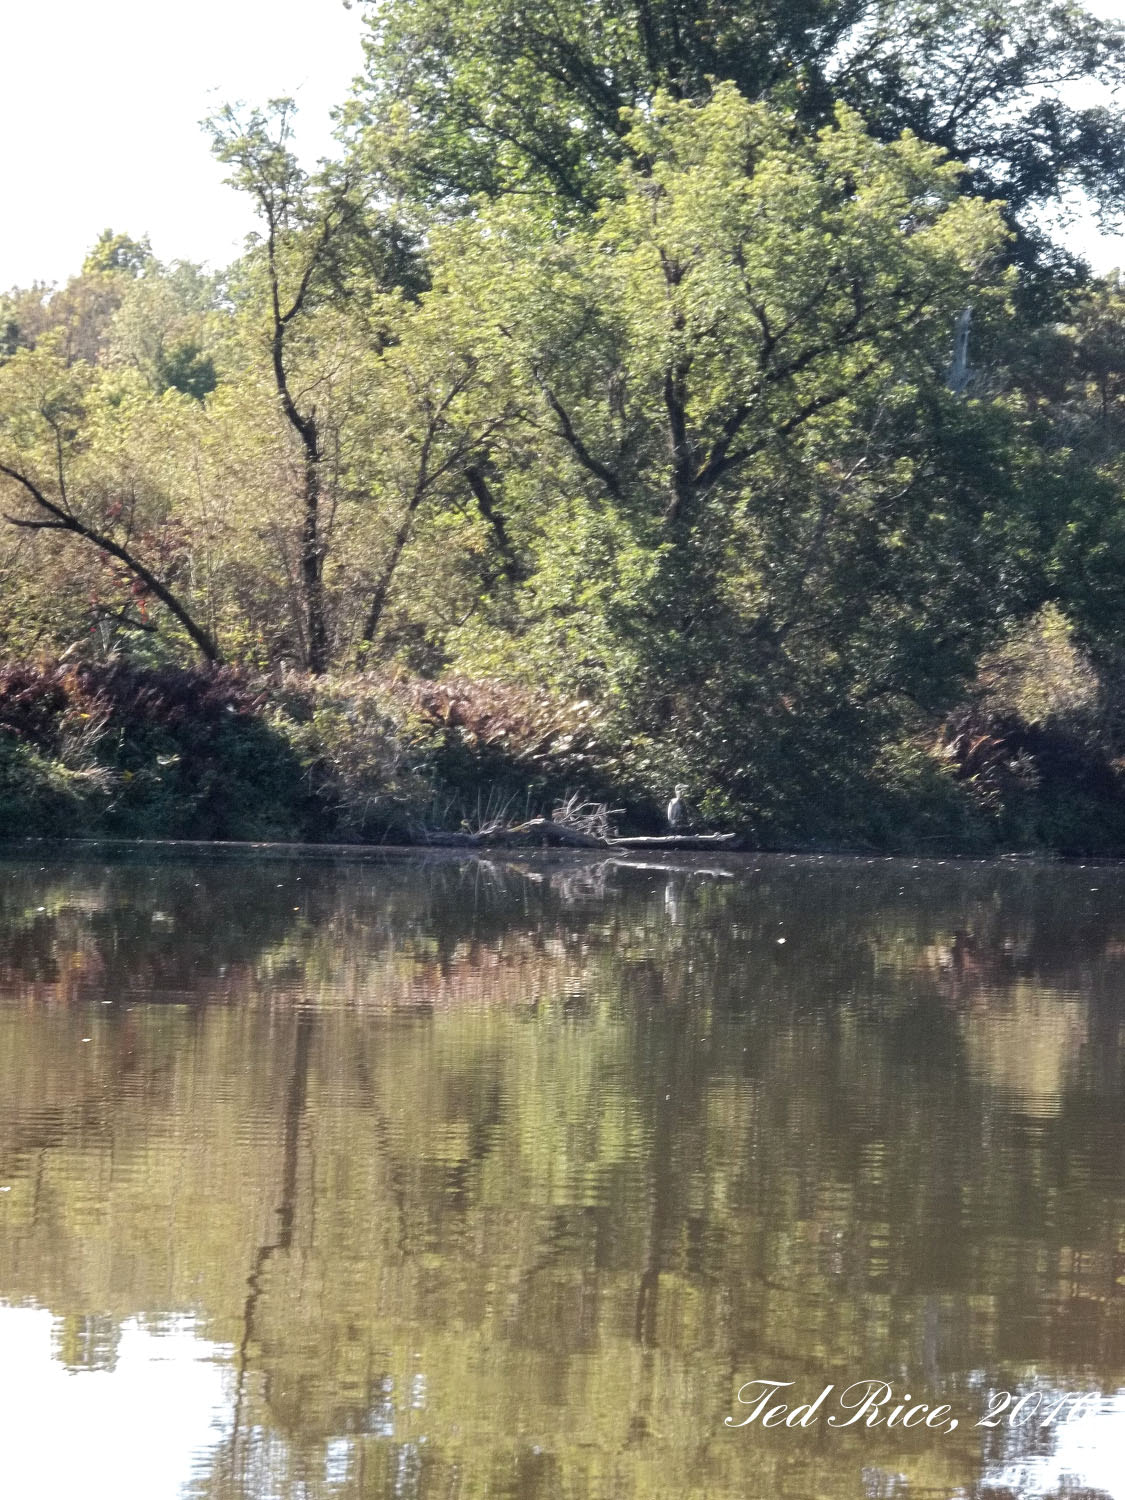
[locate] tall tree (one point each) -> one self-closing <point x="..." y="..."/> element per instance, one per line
<point x="301" y="222"/>
<point x="757" y="506"/>
<point x="501" y="96"/>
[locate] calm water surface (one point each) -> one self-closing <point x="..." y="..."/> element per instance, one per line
<point x="456" y="1178"/>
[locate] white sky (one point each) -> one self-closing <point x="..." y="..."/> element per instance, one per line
<point x="100" y="108"/>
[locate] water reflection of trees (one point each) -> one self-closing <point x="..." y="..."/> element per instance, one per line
<point x="499" y="1178"/>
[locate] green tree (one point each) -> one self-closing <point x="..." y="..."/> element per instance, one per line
<point x="118" y="252"/>
<point x="299" y="226"/>
<point x="502" y="97"/>
<point x="754" y="503"/>
<point x="165" y="328"/>
<point x="74" y="462"/>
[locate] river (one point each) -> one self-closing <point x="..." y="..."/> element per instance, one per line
<point x="447" y="1177"/>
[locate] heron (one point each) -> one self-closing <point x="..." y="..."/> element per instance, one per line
<point x="677" y="809"/>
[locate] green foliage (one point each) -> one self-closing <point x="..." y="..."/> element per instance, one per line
<point x="186" y="368"/>
<point x="505" y="97"/>
<point x="1041" y="674"/>
<point x="765" y="505"/>
<point x="608" y="365"/>
<point x="525" y="743"/>
<point x="117" y="252"/>
<point x="41" y="797"/>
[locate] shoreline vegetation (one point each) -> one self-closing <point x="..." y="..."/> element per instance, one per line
<point x="703" y="398"/>
<point x="118" y="752"/>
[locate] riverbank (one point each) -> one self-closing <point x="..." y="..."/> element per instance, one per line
<point x="121" y="752"/>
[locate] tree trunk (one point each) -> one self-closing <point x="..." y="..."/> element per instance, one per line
<point x="383" y="587"/>
<point x="486" y="504"/>
<point x="312" y="544"/>
<point x="312" y="564"/>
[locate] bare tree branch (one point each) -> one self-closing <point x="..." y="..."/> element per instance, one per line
<point x="64" y="520"/>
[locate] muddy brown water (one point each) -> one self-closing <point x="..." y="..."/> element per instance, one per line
<point x="459" y="1178"/>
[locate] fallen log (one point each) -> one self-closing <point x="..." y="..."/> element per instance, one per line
<point x="546" y="831"/>
<point x="678" y="841"/>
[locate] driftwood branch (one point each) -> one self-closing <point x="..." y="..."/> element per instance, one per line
<point x="545" y="831"/>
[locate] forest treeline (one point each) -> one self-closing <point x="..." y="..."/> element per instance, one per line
<point x="649" y="393"/>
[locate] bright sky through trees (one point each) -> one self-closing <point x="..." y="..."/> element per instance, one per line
<point x="100" y="111"/>
<point x="100" y="114"/>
